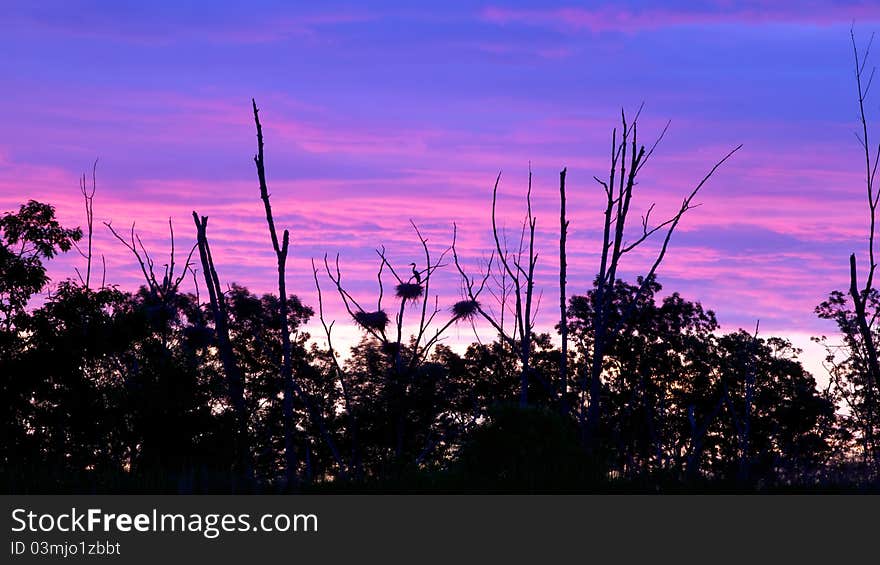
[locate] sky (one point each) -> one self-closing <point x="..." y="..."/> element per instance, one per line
<point x="375" y="114"/>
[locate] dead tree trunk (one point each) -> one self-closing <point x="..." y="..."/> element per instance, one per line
<point x="860" y="299"/>
<point x="235" y="383"/>
<point x="286" y="353"/>
<point x="563" y="310"/>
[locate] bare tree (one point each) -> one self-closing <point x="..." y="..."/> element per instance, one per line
<point x="281" y="256"/>
<point x="234" y="379"/>
<point x="169" y="284"/>
<point x="412" y="289"/>
<point x="519" y="268"/>
<point x="415" y="288"/>
<point x="88" y="194"/>
<point x="291" y="389"/>
<point x="628" y="158"/>
<point x="356" y="463"/>
<point x="861" y="295"/>
<point x="563" y="300"/>
<point x="165" y="290"/>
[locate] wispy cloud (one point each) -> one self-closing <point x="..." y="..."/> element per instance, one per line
<point x="619" y="17"/>
<point x="158" y="24"/>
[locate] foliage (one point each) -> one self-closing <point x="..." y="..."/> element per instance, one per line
<point x="26" y="239"/>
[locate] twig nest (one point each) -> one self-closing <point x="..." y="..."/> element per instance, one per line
<point x="465" y="309"/>
<point x="376" y="321"/>
<point x="409" y="291"/>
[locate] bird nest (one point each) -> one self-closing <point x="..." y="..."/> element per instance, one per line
<point x="408" y="291"/>
<point x="376" y="321"/>
<point x="465" y="309"/>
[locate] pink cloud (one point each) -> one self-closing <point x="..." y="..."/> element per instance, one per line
<point x="621" y="19"/>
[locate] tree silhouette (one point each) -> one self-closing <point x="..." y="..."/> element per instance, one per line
<point x="628" y="158"/>
<point x="856" y="375"/>
<point x="29" y="237"/>
<point x="235" y="382"/>
<point x="517" y="267"/>
<point x="405" y="360"/>
<point x="281" y="255"/>
<point x="563" y="300"/>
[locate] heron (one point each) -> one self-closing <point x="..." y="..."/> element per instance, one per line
<point x="415" y="274"/>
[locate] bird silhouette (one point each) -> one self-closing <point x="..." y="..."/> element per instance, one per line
<point x="415" y="274"/>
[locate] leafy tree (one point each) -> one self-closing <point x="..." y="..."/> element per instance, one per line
<point x="73" y="346"/>
<point x="655" y="371"/>
<point x="27" y="238"/>
<point x="522" y="449"/>
<point x="256" y="333"/>
<point x="849" y="371"/>
<point x="682" y="400"/>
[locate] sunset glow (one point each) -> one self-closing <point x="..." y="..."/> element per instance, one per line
<point x="375" y="117"/>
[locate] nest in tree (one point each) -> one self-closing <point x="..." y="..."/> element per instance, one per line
<point x="376" y="321"/>
<point x="465" y="309"/>
<point x="408" y="291"/>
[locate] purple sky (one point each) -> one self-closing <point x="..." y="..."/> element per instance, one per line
<point x="377" y="114"/>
